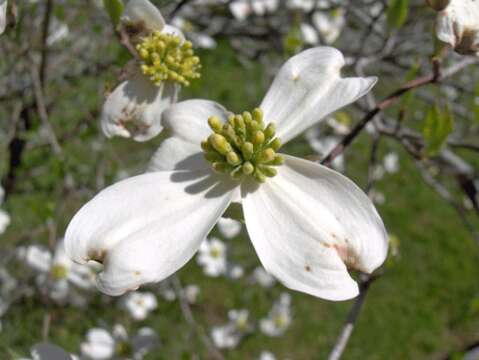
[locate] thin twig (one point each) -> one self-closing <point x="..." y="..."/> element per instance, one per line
<point x="188" y="315"/>
<point x="42" y="110"/>
<point x="390" y="100"/>
<point x="348" y="327"/>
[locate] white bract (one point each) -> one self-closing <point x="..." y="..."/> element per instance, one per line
<point x="212" y="257"/>
<point x="134" y="108"/>
<point x="308" y="223"/>
<point x="458" y="25"/>
<point x="3" y="15"/>
<point x="228" y="336"/>
<point x="229" y="228"/>
<point x="279" y="318"/>
<point x="140" y="304"/>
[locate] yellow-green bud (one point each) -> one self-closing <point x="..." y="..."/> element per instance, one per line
<point x="215" y="124"/>
<point x="220" y="144"/>
<point x="247" y="150"/>
<point x="276" y="144"/>
<point x="232" y="158"/>
<point x="247" y="168"/>
<point x="258" y="138"/>
<point x="266" y="155"/>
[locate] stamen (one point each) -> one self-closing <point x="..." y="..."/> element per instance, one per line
<point x="166" y="57"/>
<point x="243" y="146"/>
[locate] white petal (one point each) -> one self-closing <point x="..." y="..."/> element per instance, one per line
<point x="145" y="228"/>
<point x="307" y="222"/>
<point x="137" y="104"/>
<point x="307" y="88"/>
<point x="187" y="123"/>
<point x="458" y="25"/>
<point x="143" y="11"/>
<point x="3" y="15"/>
<point x="172" y="30"/>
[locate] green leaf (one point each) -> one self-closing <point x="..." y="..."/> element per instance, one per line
<point x="397" y="13"/>
<point x="114" y="9"/>
<point x="437" y="127"/>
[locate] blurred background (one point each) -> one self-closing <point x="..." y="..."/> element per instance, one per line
<point x="418" y="160"/>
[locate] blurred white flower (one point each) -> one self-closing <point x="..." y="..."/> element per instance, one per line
<point x="266" y="355"/>
<point x="339" y="127"/>
<point x="4" y="221"/>
<point x="101" y="344"/>
<point x="140" y="304"/>
<point x="229" y="228"/>
<point x="212" y="257"/>
<point x="303" y="5"/>
<point x="166" y="291"/>
<point x="391" y="162"/>
<point x="263" y="7"/>
<point x="3" y="15"/>
<point x="279" y="318"/>
<point x="57" y="271"/>
<point x="240" y="9"/>
<point x="458" y="25"/>
<point x="229" y="336"/>
<point x="234" y="271"/>
<point x="199" y="39"/>
<point x="263" y="278"/>
<point x="191" y="293"/>
<point x="309" y="34"/>
<point x="322" y="145"/>
<point x="377" y="197"/>
<point x="329" y="24"/>
<point x="58" y="31"/>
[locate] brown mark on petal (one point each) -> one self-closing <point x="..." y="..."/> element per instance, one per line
<point x="137" y="273"/>
<point x="467" y="43"/>
<point x="307" y="268"/>
<point x="97" y="255"/>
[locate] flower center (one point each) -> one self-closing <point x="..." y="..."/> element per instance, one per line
<point x="58" y="272"/>
<point x="243" y="146"/>
<point x="167" y="57"/>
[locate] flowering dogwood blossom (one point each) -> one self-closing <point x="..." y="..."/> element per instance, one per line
<point x="228" y="336"/>
<point x="458" y="25"/>
<point x="279" y="318"/>
<point x="212" y="257"/>
<point x="308" y="224"/>
<point x="134" y="108"/>
<point x="140" y="304"/>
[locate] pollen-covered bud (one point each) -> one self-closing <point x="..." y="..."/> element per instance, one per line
<point x="215" y="124"/>
<point x="220" y="144"/>
<point x="243" y="146"/>
<point x="165" y="57"/>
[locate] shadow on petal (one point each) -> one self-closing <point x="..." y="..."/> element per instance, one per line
<point x="215" y="185"/>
